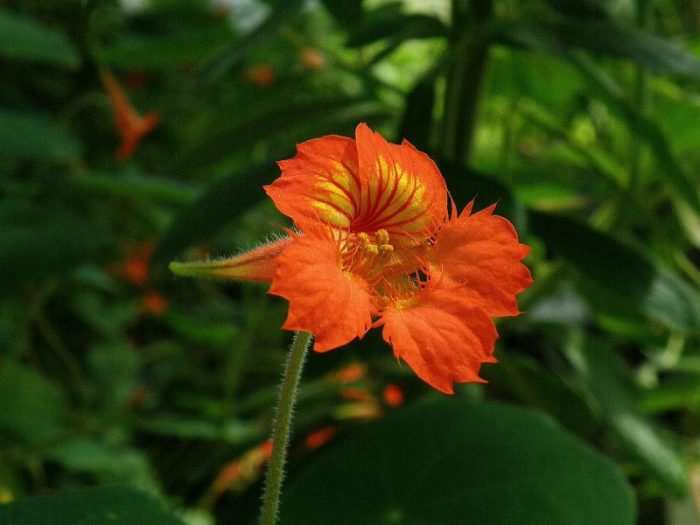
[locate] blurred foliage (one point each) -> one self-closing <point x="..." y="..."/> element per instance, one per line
<point x="579" y="118"/>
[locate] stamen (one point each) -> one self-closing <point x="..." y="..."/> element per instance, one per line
<point x="382" y="236"/>
<point x="386" y="250"/>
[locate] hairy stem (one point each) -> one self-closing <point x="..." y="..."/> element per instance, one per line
<point x="281" y="430"/>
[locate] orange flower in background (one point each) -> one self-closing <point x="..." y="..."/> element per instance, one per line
<point x="312" y="59"/>
<point x="130" y="124"/>
<point x="392" y="395"/>
<point x="320" y="437"/>
<point x="242" y="471"/>
<point x="356" y="394"/>
<point x="377" y="247"/>
<point x="136" y="264"/>
<point x="154" y="303"/>
<point x="358" y="410"/>
<point x="261" y="75"/>
<point x="348" y="374"/>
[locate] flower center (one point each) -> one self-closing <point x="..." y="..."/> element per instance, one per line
<point x="393" y="272"/>
<point x="380" y="247"/>
<point x="367" y="255"/>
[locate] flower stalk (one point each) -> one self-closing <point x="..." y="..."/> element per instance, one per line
<point x="281" y="428"/>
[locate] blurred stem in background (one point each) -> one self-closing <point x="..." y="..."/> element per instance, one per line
<point x="466" y="68"/>
<point x="641" y="97"/>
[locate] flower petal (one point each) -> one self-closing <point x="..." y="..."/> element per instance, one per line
<point x="482" y="252"/>
<point x="441" y="335"/>
<point x="403" y="191"/>
<point x="320" y="183"/>
<point x="334" y="305"/>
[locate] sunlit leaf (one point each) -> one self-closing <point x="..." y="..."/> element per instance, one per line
<point x="608" y="37"/>
<point x="647" y="130"/>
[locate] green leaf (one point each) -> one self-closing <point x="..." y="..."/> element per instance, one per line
<point x="607" y="380"/>
<point x="417" y="120"/>
<point x="100" y="505"/>
<point x="638" y="283"/>
<point x="114" y="367"/>
<point x="558" y="36"/>
<point x="582" y="8"/>
<point x="607" y="37"/>
<point x="31" y="409"/>
<point x="388" y="23"/>
<point x="24" y="39"/>
<point x="137" y="186"/>
<point x="170" y="50"/>
<point x="84" y="455"/>
<point x="200" y="330"/>
<point x="347" y="13"/>
<point x="452" y="461"/>
<point x="466" y="184"/>
<point x="529" y="382"/>
<point x="277" y="119"/>
<point x="236" y="52"/>
<point x="217" y="207"/>
<point x="34" y="137"/>
<point x="40" y="242"/>
<point x="646" y="128"/>
<point x="234" y="432"/>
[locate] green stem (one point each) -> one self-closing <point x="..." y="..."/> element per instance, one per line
<point x="280" y="432"/>
<point x="641" y="98"/>
<point x="467" y="67"/>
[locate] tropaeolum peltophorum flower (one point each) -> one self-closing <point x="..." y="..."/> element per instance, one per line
<point x="376" y="245"/>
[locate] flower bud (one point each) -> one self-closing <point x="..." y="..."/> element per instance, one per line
<point x="256" y="265"/>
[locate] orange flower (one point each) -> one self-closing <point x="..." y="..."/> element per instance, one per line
<point x="392" y="395"/>
<point x="356" y="394"/>
<point x="312" y="59"/>
<point x="348" y="374"/>
<point x="360" y="410"/>
<point x="154" y="303"/>
<point x="132" y="126"/>
<point x="261" y="75"/>
<point x="320" y="437"/>
<point x="136" y="265"/>
<point x="377" y="247"/>
<point x="243" y="470"/>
